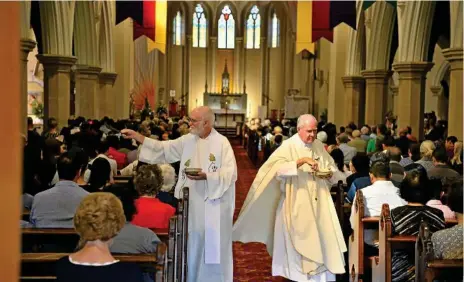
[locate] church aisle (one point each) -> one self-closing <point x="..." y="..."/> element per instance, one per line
<point x="252" y="263"/>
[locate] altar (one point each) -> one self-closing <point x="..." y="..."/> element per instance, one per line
<point x="229" y="108"/>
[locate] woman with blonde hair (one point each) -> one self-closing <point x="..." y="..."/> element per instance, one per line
<point x="426" y="150"/>
<point x="151" y="212"/>
<point x="456" y="161"/>
<point x="98" y="219"/>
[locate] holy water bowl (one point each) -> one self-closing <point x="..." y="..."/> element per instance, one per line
<point x="192" y="171"/>
<point x="323" y="173"/>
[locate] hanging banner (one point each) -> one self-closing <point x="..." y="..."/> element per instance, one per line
<point x="304" y="27"/>
<point x="161" y="15"/>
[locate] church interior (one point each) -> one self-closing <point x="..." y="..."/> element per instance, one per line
<point x="379" y="77"/>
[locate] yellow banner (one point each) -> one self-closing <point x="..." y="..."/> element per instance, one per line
<point x="304" y="27"/>
<point x="161" y="14"/>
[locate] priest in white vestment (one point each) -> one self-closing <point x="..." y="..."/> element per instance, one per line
<point x="212" y="192"/>
<point x="290" y="209"/>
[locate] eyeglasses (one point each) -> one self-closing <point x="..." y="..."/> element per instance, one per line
<point x="192" y="120"/>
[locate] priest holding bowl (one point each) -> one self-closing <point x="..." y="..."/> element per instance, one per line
<point x="290" y="209"/>
<point x="208" y="168"/>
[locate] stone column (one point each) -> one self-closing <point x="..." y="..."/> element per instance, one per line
<point x="395" y="98"/>
<point x="354" y="99"/>
<point x="87" y="91"/>
<point x="454" y="56"/>
<point x="238" y="64"/>
<point x="213" y="48"/>
<point x="376" y="91"/>
<point x="411" y="95"/>
<point x="106" y="100"/>
<point x="57" y="83"/>
<point x="26" y="46"/>
<point x="442" y="103"/>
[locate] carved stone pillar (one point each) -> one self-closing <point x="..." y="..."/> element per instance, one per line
<point x="395" y="90"/>
<point x="87" y="91"/>
<point x="106" y="100"/>
<point x="376" y="91"/>
<point x="57" y="86"/>
<point x="237" y="64"/>
<point x="26" y="46"/>
<point x="213" y="48"/>
<point x="354" y="99"/>
<point x="442" y="103"/>
<point x="454" y="56"/>
<point x="411" y="95"/>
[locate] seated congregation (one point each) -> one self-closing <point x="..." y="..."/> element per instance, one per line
<point x="103" y="209"/>
<point x="398" y="191"/>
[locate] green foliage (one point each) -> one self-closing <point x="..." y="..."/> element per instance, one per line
<point x="38" y="109"/>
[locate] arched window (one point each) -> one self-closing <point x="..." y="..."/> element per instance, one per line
<point x="226" y="29"/>
<point x="200" y="26"/>
<point x="275" y="31"/>
<point x="177" y="29"/>
<point x="253" y="28"/>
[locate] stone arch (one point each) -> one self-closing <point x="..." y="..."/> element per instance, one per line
<point x="186" y="19"/>
<point x="233" y="7"/>
<point x="442" y="72"/>
<point x="263" y="11"/>
<point x="414" y="29"/>
<point x="208" y="14"/>
<point x="379" y="21"/>
<point x="57" y="21"/>
<point x="356" y="45"/>
<point x="86" y="33"/>
<point x="107" y="23"/>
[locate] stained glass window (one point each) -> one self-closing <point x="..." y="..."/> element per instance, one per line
<point x="226" y="29"/>
<point x="253" y="28"/>
<point x="275" y="31"/>
<point x="200" y="26"/>
<point x="177" y="29"/>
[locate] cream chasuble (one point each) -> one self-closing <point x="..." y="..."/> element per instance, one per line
<point x="211" y="203"/>
<point x="292" y="212"/>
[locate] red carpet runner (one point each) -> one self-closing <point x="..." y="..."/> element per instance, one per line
<point x="252" y="263"/>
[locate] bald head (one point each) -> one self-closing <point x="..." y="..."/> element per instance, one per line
<point x="201" y="121"/>
<point x="306" y="120"/>
<point x="307" y="128"/>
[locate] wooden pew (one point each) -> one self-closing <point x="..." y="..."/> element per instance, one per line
<point x="356" y="259"/>
<point x="382" y="266"/>
<point x="338" y="194"/>
<point x="176" y="263"/>
<point x="428" y="268"/>
<point x="155" y="262"/>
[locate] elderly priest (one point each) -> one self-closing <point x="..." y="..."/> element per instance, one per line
<point x="290" y="209"/>
<point x="211" y="196"/>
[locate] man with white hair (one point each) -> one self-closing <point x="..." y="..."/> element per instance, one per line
<point x="212" y="192"/>
<point x="290" y="209"/>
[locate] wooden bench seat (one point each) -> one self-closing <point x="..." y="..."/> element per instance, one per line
<point x="428" y="268"/>
<point x="388" y="242"/>
<point x="152" y="262"/>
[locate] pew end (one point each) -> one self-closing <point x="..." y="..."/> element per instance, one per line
<point x="428" y="268"/>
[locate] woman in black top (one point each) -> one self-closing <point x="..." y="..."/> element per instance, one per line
<point x="98" y="219"/>
<point x="100" y="171"/>
<point x="406" y="220"/>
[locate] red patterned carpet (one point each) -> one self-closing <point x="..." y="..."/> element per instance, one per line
<point x="252" y="263"/>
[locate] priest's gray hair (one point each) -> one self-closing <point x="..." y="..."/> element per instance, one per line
<point x="305" y="119"/>
<point x="210" y="116"/>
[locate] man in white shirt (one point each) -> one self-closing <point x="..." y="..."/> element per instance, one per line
<point x="382" y="191"/>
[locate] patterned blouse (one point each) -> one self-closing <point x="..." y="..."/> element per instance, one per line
<point x="447" y="244"/>
<point x="406" y="220"/>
